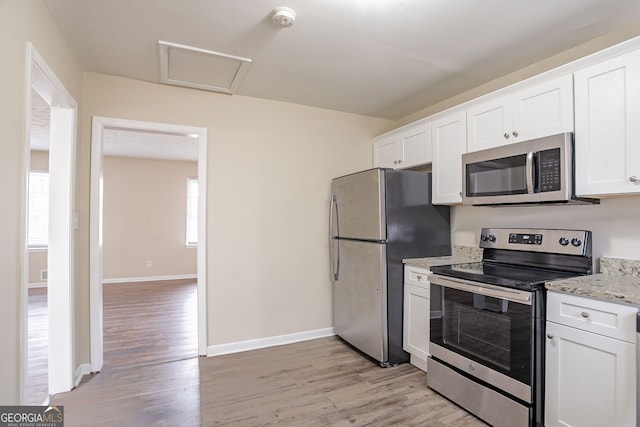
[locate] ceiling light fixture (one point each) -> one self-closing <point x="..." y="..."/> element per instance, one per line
<point x="283" y="16"/>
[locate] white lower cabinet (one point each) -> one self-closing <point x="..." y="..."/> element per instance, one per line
<point x="416" y="315"/>
<point x="590" y="378"/>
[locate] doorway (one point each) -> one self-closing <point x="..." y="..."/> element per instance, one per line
<point x="61" y="111"/>
<point x="101" y="128"/>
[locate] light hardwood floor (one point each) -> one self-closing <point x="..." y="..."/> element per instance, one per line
<point x="37" y="347"/>
<point x="150" y="322"/>
<point x="313" y="383"/>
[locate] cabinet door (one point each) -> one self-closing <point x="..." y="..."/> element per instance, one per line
<point x="416" y="146"/>
<point x="449" y="143"/>
<point x="489" y="124"/>
<point x="386" y="153"/>
<point x="607" y="134"/>
<point x="544" y="109"/>
<point x="590" y="379"/>
<point x="416" y="321"/>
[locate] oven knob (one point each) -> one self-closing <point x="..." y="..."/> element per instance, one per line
<point x="483" y="237"/>
<point x="492" y="238"/>
<point x="563" y="241"/>
<point x="576" y="242"/>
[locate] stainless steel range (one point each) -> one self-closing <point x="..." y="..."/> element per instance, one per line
<point x="488" y="321"/>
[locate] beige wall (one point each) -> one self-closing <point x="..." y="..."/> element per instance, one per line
<point x="145" y="218"/>
<point x="20" y="21"/>
<point x="614" y="222"/>
<point x="269" y="170"/>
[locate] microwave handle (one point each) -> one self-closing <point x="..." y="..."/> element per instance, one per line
<point x="529" y="172"/>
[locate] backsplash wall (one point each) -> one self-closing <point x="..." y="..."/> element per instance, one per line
<point x="615" y="223"/>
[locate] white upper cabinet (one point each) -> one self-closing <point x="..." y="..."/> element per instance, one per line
<point x="449" y="143"/>
<point x="607" y="135"/>
<point x="405" y="148"/>
<point x="387" y="152"/>
<point x="416" y="143"/>
<point x="489" y="124"/>
<point x="540" y="110"/>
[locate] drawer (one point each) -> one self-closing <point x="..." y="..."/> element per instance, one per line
<point x="591" y="315"/>
<point x="416" y="276"/>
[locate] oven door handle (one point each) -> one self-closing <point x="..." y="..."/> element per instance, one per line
<point x="521" y="297"/>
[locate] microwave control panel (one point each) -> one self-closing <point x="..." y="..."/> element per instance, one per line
<point x="549" y="167"/>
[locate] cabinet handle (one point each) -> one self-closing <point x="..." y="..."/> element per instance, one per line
<point x="419" y="277"/>
<point x="633" y="178"/>
<point x="506" y="136"/>
<point x="515" y="133"/>
<point x="585" y="314"/>
<point x="550" y="335"/>
<point x="395" y="162"/>
<point x="399" y="161"/>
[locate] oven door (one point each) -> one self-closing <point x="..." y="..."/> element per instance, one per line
<point x="485" y="331"/>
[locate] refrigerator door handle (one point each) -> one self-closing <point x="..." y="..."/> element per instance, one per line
<point x="335" y="265"/>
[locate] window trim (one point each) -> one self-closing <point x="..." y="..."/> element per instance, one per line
<point x="37" y="246"/>
<point x="189" y="215"/>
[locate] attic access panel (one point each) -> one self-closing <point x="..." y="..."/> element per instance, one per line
<point x="201" y="69"/>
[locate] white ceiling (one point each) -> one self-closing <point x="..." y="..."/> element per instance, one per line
<point x="382" y="58"/>
<point x="118" y="142"/>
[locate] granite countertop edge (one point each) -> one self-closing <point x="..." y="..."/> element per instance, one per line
<point x="601" y="286"/>
<point x="618" y="281"/>
<point x="461" y="254"/>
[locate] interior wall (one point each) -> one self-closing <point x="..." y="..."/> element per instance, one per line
<point x="21" y="22"/>
<point x="145" y="218"/>
<point x="270" y="165"/>
<point x="614" y="222"/>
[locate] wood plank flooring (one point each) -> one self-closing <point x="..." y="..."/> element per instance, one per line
<point x="150" y="322"/>
<point x="321" y="382"/>
<point x="37" y="347"/>
<point x="152" y="377"/>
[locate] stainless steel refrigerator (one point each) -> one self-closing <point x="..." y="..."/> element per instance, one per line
<point x="377" y="218"/>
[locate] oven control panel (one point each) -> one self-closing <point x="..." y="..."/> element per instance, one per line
<point x="525" y="239"/>
<point x="572" y="242"/>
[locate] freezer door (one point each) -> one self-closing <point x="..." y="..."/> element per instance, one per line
<point x="360" y="297"/>
<point x="358" y="206"/>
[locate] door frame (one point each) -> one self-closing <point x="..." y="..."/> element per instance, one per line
<point x="98" y="126"/>
<point x="61" y="249"/>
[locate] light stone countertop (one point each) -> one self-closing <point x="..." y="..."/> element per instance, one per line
<point x="619" y="281"/>
<point x="460" y="254"/>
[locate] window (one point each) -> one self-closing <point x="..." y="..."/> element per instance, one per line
<point x="38" y="222"/>
<point x="192" y="212"/>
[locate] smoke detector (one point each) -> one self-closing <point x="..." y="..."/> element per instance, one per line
<point x="283" y="16"/>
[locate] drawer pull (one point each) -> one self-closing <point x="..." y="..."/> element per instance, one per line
<point x="550" y="335"/>
<point x="585" y="314"/>
<point x="419" y="277"/>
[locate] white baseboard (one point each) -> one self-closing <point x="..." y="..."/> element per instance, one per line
<point x="37" y="285"/>
<point x="149" y="278"/>
<point x="81" y="371"/>
<point x="239" y="346"/>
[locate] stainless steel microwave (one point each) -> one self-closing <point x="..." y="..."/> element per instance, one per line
<point x="539" y="171"/>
